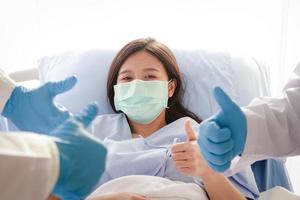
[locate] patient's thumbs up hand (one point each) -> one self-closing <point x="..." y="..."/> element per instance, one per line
<point x="223" y="136"/>
<point x="189" y="131"/>
<point x="187" y="156"/>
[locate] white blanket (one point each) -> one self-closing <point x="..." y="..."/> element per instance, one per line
<point x="278" y="193"/>
<point x="156" y="188"/>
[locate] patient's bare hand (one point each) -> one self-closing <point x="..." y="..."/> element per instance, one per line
<point x="187" y="155"/>
<point x="52" y="197"/>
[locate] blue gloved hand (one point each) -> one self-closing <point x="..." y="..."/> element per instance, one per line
<point x="34" y="110"/>
<point x="223" y="136"/>
<point x="82" y="156"/>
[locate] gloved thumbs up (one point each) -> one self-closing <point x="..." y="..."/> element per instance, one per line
<point x="223" y="100"/>
<point x="223" y="136"/>
<point x="232" y="117"/>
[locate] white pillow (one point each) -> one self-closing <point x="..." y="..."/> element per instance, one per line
<point x="91" y="69"/>
<point x="201" y="70"/>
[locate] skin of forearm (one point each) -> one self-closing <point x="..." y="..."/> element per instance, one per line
<point x="51" y="197"/>
<point x="106" y="197"/>
<point x="218" y="187"/>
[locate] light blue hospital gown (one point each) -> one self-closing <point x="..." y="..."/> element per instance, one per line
<point x="151" y="155"/>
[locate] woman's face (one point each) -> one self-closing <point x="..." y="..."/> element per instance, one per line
<point x="144" y="66"/>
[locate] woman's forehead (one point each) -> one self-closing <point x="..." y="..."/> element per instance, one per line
<point x="143" y="61"/>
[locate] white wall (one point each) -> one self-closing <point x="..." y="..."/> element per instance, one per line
<point x="18" y="34"/>
<point x="40" y="27"/>
<point x="34" y="28"/>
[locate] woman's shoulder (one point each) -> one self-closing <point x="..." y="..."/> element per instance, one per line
<point x="108" y="125"/>
<point x="108" y="117"/>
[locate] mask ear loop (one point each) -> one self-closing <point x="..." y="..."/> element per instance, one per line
<point x="168" y="89"/>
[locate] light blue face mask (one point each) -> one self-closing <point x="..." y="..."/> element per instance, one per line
<point x="141" y="101"/>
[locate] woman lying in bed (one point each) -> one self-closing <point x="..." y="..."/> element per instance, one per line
<point x="152" y="133"/>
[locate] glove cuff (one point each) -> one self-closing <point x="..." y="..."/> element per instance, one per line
<point x="7" y="85"/>
<point x="10" y="104"/>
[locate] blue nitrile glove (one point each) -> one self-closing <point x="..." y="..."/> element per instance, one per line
<point x="82" y="156"/>
<point x="34" y="110"/>
<point x="223" y="136"/>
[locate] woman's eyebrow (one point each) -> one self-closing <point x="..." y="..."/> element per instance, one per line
<point x="125" y="71"/>
<point x="151" y="69"/>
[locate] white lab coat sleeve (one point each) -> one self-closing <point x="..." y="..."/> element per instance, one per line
<point x="29" y="166"/>
<point x="7" y="85"/>
<point x="273" y="126"/>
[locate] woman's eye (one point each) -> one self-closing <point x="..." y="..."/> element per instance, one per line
<point x="150" y="77"/>
<point x="126" y="78"/>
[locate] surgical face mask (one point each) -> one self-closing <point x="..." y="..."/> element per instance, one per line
<point x="141" y="101"/>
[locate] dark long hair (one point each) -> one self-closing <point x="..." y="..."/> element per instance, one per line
<point x="176" y="110"/>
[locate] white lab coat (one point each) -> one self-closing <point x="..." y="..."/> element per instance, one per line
<point x="29" y="163"/>
<point x="273" y="126"/>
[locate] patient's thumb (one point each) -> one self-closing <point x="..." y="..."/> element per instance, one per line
<point x="87" y="115"/>
<point x="190" y="134"/>
<point x="223" y="100"/>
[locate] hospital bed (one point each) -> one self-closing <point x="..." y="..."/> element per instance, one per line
<point x="243" y="78"/>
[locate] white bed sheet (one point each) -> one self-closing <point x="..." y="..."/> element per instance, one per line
<point x="158" y="188"/>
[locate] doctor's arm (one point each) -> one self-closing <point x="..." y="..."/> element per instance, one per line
<point x="29" y="166"/>
<point x="33" y="110"/>
<point x="273" y="125"/>
<point x="68" y="164"/>
<point x="267" y="127"/>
